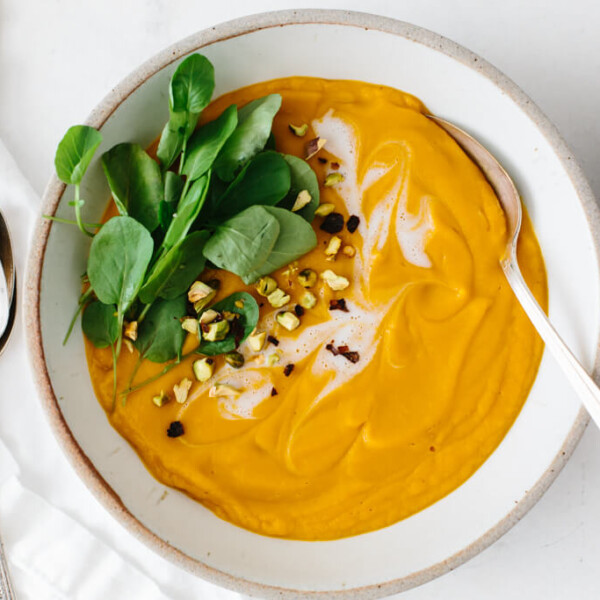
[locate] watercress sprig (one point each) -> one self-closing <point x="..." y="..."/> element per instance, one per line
<point x="219" y="192"/>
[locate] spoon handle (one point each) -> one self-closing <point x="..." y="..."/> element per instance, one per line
<point x="584" y="385"/>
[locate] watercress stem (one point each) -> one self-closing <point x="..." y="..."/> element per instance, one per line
<point x="70" y="221"/>
<point x="82" y="301"/>
<point x="80" y="223"/>
<point x="152" y="379"/>
<point x="144" y="312"/>
<point x="114" y="361"/>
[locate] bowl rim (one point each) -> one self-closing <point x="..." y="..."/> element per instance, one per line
<point x="51" y="199"/>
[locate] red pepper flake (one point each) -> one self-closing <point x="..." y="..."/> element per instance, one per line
<point x="335" y="166"/>
<point x="273" y="392"/>
<point x="352" y="224"/>
<point x="287" y="370"/>
<point x="432" y="448"/>
<point x="339" y="304"/>
<point x="273" y="340"/>
<point x="322" y="160"/>
<point x="175" y="429"/>
<point x="299" y="310"/>
<point x="344" y="351"/>
<point x="238" y="331"/>
<point x="353" y="357"/>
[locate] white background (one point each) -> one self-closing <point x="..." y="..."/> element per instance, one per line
<point x="58" y="58"/>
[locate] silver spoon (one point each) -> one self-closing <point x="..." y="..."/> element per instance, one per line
<point x="10" y="276"/>
<point x="505" y="189"/>
<point x="8" y="266"/>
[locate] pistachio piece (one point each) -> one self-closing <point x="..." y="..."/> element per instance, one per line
<point x="182" y="389"/>
<point x="190" y="325"/>
<point x="203" y="369"/>
<point x="234" y="358"/>
<point x="199" y="290"/>
<point x="313" y="146"/>
<point x="160" y="399"/>
<point x="333" y="247"/>
<point x="349" y="251"/>
<point x="208" y="316"/>
<point x="223" y="390"/>
<point x="335" y="282"/>
<point x="278" y="298"/>
<point x="230" y="316"/>
<point x="288" y="320"/>
<point x="302" y="199"/>
<point x="266" y="285"/>
<point x="130" y="330"/>
<point x="239" y="304"/>
<point x="273" y="359"/>
<point x="215" y="331"/>
<point x="307" y="300"/>
<point x="332" y="179"/>
<point x="324" y="209"/>
<point x="256" y="340"/>
<point x="299" y="130"/>
<point x="307" y="278"/>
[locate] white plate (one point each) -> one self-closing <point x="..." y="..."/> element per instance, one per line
<point x="454" y="84"/>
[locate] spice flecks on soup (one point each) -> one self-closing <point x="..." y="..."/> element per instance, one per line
<point x="390" y="392"/>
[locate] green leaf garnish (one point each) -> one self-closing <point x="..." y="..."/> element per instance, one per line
<point x="240" y="303"/>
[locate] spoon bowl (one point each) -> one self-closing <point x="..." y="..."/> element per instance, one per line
<point x="10" y="276"/>
<point x="509" y="199"/>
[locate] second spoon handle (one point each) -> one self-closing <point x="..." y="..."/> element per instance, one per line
<point x="584" y="385"/>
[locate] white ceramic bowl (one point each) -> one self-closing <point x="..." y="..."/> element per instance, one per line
<point x="453" y="83"/>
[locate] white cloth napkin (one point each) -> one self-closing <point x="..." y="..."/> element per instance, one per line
<point x="61" y="544"/>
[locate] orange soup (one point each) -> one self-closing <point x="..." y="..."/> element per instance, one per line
<point x="393" y="391"/>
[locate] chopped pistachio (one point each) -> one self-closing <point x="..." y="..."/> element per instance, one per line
<point x="160" y="399"/>
<point x="273" y="359"/>
<point x="203" y="369"/>
<point x="278" y="298"/>
<point x="230" y="316"/>
<point x="239" y="304"/>
<point x="190" y="325"/>
<point x="224" y="390"/>
<point x="266" y="285"/>
<point x="333" y="247"/>
<point x="332" y="179"/>
<point x="324" y="209"/>
<point x="208" y="316"/>
<point x="307" y="300"/>
<point x="335" y="282"/>
<point x="349" y="251"/>
<point x="288" y="320"/>
<point x="307" y="278"/>
<point x="217" y="331"/>
<point x="299" y="130"/>
<point x="234" y="358"/>
<point x="302" y="199"/>
<point x="256" y="340"/>
<point x="130" y="331"/>
<point x="313" y="146"/>
<point x="199" y="290"/>
<point x="182" y="389"/>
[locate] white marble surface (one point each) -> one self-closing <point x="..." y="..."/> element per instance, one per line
<point x="59" y="57"/>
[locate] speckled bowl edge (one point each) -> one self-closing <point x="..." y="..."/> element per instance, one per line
<point x="50" y="202"/>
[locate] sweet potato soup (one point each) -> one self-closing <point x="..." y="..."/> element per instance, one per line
<point x="383" y="402"/>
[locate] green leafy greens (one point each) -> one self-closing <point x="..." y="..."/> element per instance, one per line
<point x="218" y="192"/>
